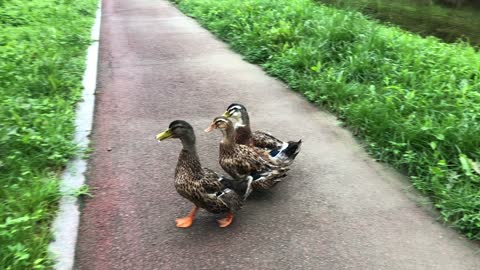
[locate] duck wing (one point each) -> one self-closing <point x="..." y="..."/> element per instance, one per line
<point x="266" y="140"/>
<point x="243" y="161"/>
<point x="218" y="195"/>
<point x="281" y="153"/>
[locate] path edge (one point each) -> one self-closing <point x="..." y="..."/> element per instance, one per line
<point x="66" y="223"/>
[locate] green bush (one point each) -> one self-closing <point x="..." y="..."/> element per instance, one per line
<point x="42" y="52"/>
<point x="415" y="101"/>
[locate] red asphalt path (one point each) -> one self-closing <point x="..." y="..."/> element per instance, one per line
<point x="337" y="209"/>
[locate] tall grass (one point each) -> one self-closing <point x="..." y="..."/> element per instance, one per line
<point x="415" y="101"/>
<point x="42" y="52"/>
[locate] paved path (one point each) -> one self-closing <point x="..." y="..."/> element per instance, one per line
<point x="336" y="210"/>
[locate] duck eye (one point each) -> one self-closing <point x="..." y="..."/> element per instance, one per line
<point x="176" y="127"/>
<point x="220" y="123"/>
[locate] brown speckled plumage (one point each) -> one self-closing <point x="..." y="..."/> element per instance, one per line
<point x="201" y="186"/>
<point x="262" y="142"/>
<point x="242" y="162"/>
<point x="243" y="135"/>
<point x="265" y="140"/>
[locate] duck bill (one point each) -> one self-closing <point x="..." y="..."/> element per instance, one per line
<point x="210" y="128"/>
<point x="164" y="135"/>
<point x="226" y="114"/>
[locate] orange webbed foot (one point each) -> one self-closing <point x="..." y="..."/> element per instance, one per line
<point x="187" y="221"/>
<point x="226" y="221"/>
<point x="184" y="222"/>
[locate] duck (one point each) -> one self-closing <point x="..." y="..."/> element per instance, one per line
<point x="202" y="186"/>
<point x="278" y="151"/>
<point x="244" y="163"/>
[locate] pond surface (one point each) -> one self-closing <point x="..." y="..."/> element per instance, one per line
<point x="449" y="20"/>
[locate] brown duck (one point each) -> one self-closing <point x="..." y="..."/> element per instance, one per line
<point x="202" y="186"/>
<point x="242" y="162"/>
<point x="279" y="152"/>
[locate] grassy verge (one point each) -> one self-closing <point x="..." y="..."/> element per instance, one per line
<point x="415" y="101"/>
<point x="42" y="52"/>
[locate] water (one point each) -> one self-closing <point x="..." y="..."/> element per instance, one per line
<point x="449" y="20"/>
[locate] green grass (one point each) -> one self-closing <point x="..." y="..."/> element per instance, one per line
<point x="415" y="101"/>
<point x="42" y="52"/>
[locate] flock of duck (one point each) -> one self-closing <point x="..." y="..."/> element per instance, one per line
<point x="254" y="160"/>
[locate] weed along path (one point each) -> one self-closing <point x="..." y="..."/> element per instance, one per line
<point x="337" y="209"/>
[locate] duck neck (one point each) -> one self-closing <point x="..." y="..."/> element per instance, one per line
<point x="188" y="143"/>
<point x="228" y="136"/>
<point x="245" y="120"/>
<point x="188" y="159"/>
<point x="243" y="133"/>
